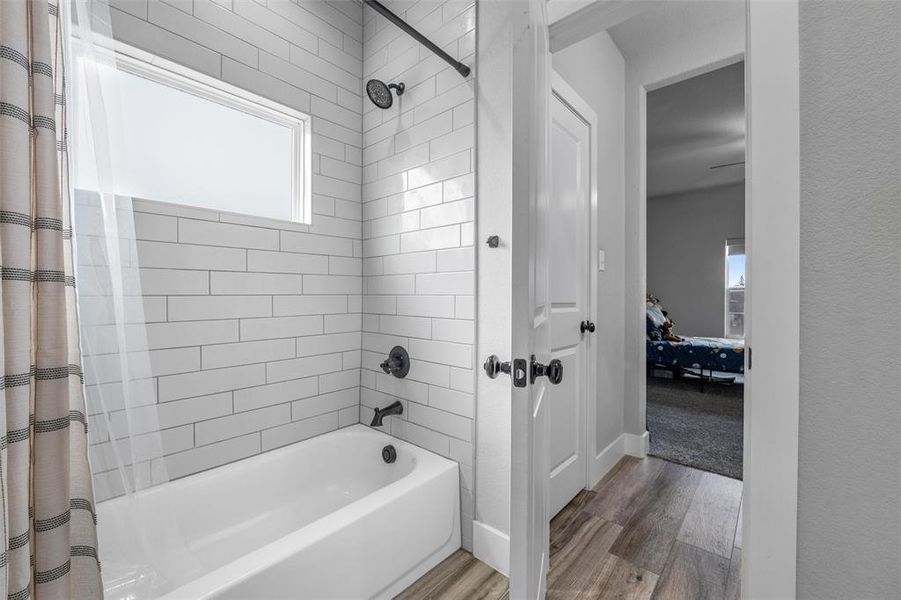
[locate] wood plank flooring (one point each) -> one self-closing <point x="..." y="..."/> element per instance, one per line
<point x="459" y="577"/>
<point x="649" y="529"/>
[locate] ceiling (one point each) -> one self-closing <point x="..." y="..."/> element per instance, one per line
<point x="665" y="23"/>
<point x="697" y="123"/>
<point x="694" y="125"/>
<point x="559" y="9"/>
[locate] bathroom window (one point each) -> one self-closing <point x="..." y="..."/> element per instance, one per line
<point x="182" y="137"/>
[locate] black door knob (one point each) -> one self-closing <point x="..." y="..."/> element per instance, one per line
<point x="493" y="366"/>
<point x="587" y="326"/>
<point x="553" y="370"/>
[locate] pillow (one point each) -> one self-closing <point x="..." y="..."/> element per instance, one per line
<point x="655" y="321"/>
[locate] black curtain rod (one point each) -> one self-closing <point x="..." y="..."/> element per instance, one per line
<point x="383" y="10"/>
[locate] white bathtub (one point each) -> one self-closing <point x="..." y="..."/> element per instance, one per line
<point x="323" y="518"/>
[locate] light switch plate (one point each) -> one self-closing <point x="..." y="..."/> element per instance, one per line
<point x="602" y="261"/>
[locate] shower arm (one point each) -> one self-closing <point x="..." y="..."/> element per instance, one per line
<point x="383" y="10"/>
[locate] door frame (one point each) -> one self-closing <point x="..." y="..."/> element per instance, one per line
<point x="530" y="75"/>
<point x="772" y="234"/>
<point x="772" y="238"/>
<point x="570" y="97"/>
<point x="772" y="321"/>
<point x="772" y="387"/>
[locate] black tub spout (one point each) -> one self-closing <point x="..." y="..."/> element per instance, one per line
<point x="395" y="408"/>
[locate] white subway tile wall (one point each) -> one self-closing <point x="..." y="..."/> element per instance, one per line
<point x="263" y="333"/>
<point x="240" y="361"/>
<point x="418" y="258"/>
<point x="253" y="325"/>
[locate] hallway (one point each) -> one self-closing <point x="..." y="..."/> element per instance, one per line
<point x="649" y="529"/>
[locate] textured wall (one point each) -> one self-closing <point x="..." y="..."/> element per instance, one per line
<point x="227" y="296"/>
<point x="418" y="261"/>
<point x="686" y="248"/>
<point x="849" y="516"/>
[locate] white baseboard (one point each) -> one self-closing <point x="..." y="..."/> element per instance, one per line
<point x="637" y="445"/>
<point x="491" y="546"/>
<point x="605" y="460"/>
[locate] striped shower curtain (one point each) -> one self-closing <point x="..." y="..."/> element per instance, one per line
<point x="47" y="519"/>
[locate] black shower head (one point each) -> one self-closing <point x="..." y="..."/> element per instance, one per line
<point x="380" y="93"/>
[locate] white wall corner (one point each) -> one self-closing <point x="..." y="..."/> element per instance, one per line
<point x="605" y="460"/>
<point x="492" y="547"/>
<point x="637" y="445"/>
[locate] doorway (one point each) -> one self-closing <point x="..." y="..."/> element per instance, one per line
<point x="650" y="526"/>
<point x="695" y="269"/>
<point x="772" y="75"/>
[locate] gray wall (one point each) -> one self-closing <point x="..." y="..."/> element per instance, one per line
<point x="686" y="249"/>
<point x="849" y="488"/>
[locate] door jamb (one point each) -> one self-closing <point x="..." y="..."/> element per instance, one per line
<point x="772" y="328"/>
<point x="772" y="198"/>
<point x="772" y="49"/>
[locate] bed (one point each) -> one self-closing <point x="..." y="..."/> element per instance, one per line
<point x="691" y="355"/>
<point x="708" y="354"/>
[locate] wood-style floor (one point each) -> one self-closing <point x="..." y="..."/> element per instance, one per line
<point x="649" y="529"/>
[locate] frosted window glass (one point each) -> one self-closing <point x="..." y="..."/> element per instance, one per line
<point x="172" y="145"/>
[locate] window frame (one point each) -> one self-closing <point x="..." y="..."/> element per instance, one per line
<point x="135" y="61"/>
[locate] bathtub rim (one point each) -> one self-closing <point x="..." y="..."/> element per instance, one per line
<point x="246" y="463"/>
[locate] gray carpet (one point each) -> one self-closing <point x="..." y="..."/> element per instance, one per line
<point x="701" y="430"/>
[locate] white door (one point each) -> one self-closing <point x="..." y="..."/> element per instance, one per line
<point x="530" y="306"/>
<point x="570" y="195"/>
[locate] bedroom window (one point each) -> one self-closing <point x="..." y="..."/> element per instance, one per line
<point x="735" y="288"/>
<point x="182" y="137"/>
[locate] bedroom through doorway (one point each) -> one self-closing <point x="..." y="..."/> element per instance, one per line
<point x="696" y="271"/>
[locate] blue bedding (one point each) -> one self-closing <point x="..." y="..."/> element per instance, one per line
<point x="716" y="354"/>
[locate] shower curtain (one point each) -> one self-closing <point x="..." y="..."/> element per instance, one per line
<point x="47" y="519"/>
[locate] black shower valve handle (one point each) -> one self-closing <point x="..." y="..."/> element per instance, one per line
<point x="397" y="363"/>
